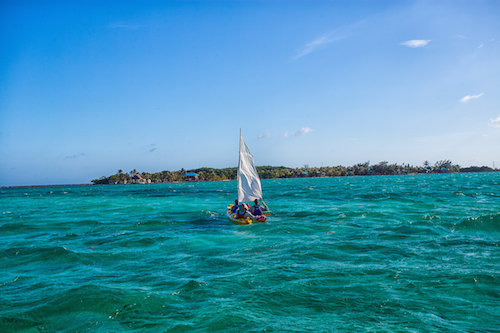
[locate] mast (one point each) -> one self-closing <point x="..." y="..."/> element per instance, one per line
<point x="238" y="169"/>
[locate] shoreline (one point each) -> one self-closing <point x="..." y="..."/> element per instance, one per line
<point x="225" y="180"/>
<point x="30" y="186"/>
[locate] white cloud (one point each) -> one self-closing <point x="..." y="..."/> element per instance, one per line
<point x="416" y="43"/>
<point x="495" y="122"/>
<point x="480" y="46"/>
<point x="317" y="44"/>
<point x="264" y="135"/>
<point x="300" y="132"/>
<point x="467" y="98"/>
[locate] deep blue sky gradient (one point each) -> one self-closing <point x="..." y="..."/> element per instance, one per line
<point x="87" y="88"/>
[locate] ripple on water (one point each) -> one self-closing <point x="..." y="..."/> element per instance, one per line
<point x="409" y="253"/>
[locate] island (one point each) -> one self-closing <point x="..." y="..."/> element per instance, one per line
<point x="271" y="172"/>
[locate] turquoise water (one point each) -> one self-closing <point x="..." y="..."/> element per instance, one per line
<point x="397" y="253"/>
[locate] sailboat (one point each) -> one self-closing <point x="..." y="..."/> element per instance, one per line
<point x="249" y="187"/>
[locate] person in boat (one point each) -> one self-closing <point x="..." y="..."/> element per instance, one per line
<point x="235" y="207"/>
<point x="242" y="212"/>
<point x="257" y="209"/>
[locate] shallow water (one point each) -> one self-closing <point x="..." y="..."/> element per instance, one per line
<point x="396" y="253"/>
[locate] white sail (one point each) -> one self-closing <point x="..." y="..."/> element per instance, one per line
<point x="249" y="187"/>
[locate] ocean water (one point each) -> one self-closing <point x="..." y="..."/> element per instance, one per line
<point x="397" y="253"/>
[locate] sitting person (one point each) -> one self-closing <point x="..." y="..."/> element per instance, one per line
<point x="257" y="210"/>
<point x="243" y="213"/>
<point x="235" y="207"/>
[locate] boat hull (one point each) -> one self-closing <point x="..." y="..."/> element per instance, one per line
<point x="244" y="221"/>
<point x="238" y="221"/>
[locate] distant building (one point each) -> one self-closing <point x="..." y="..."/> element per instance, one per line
<point x="190" y="176"/>
<point x="370" y="172"/>
<point x="304" y="174"/>
<point x="138" y="179"/>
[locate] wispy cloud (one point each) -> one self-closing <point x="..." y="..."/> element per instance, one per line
<point x="414" y="43"/>
<point x="264" y="135"/>
<point x="152" y="147"/>
<point x="467" y="98"/>
<point x="486" y="43"/>
<point x="70" y="157"/>
<point x="300" y="132"/>
<point x="124" y="26"/>
<point x="495" y="122"/>
<point x="317" y="44"/>
<point x="328" y="38"/>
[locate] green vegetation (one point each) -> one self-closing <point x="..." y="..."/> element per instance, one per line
<point x="269" y="172"/>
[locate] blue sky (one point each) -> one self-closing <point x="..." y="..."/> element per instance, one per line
<point x="90" y="87"/>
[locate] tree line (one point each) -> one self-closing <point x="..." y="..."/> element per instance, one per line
<point x="269" y="172"/>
